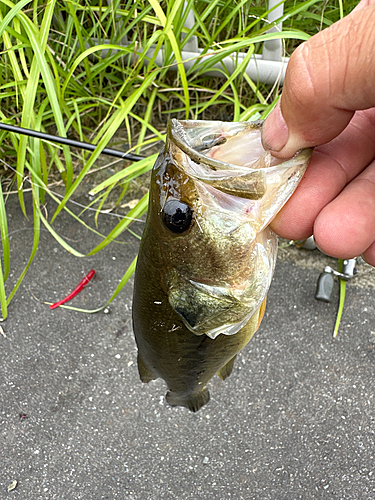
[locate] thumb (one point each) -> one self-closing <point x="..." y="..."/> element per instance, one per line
<point x="328" y="78"/>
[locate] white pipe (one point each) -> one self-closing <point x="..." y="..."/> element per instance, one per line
<point x="273" y="49"/>
<point x="258" y="69"/>
<point x="268" y="68"/>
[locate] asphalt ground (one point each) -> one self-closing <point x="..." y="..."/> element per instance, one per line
<point x="294" y="420"/>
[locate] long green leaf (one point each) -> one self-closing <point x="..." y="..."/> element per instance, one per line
<point x="33" y="251"/>
<point x="143" y="165"/>
<point x="15" y="9"/>
<point x="3" y="299"/>
<point x="341" y="302"/>
<point x="132" y="215"/>
<point x="113" y="125"/>
<point x="4" y="234"/>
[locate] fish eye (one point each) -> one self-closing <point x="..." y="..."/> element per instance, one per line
<point x="177" y="216"/>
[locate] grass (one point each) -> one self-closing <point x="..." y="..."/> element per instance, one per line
<point x="341" y="302"/>
<point x="53" y="78"/>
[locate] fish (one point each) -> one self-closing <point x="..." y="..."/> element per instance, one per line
<point x="207" y="254"/>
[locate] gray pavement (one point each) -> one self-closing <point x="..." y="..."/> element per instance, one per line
<point x="294" y="420"/>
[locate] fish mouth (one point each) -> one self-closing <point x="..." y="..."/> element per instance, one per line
<point x="213" y="143"/>
<point x="229" y="158"/>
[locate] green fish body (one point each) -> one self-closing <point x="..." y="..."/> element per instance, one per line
<point x="207" y="255"/>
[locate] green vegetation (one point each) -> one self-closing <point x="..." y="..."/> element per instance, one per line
<point x="340" y="309"/>
<point x="53" y="77"/>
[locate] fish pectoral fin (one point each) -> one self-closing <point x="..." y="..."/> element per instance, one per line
<point x="193" y="401"/>
<point x="226" y="370"/>
<point x="145" y="374"/>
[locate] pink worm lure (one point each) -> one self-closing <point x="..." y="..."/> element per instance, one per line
<point x="89" y="276"/>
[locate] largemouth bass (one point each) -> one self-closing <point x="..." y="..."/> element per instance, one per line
<point x="207" y="255"/>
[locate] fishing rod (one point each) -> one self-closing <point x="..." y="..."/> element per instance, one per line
<point x="69" y="142"/>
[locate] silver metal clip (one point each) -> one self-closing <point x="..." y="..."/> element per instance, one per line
<point x="349" y="268"/>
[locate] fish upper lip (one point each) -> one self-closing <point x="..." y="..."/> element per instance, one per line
<point x="182" y="142"/>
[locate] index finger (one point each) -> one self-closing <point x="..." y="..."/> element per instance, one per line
<point x="331" y="168"/>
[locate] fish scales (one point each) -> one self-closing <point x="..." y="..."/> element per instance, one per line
<point x="207" y="255"/>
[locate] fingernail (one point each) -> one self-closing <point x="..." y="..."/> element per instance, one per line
<point x="275" y="133"/>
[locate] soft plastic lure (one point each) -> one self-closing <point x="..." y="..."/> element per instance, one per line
<point x="89" y="276"/>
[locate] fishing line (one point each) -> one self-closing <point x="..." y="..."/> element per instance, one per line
<point x="69" y="142"/>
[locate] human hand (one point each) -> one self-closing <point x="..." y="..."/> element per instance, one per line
<point x="328" y="101"/>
